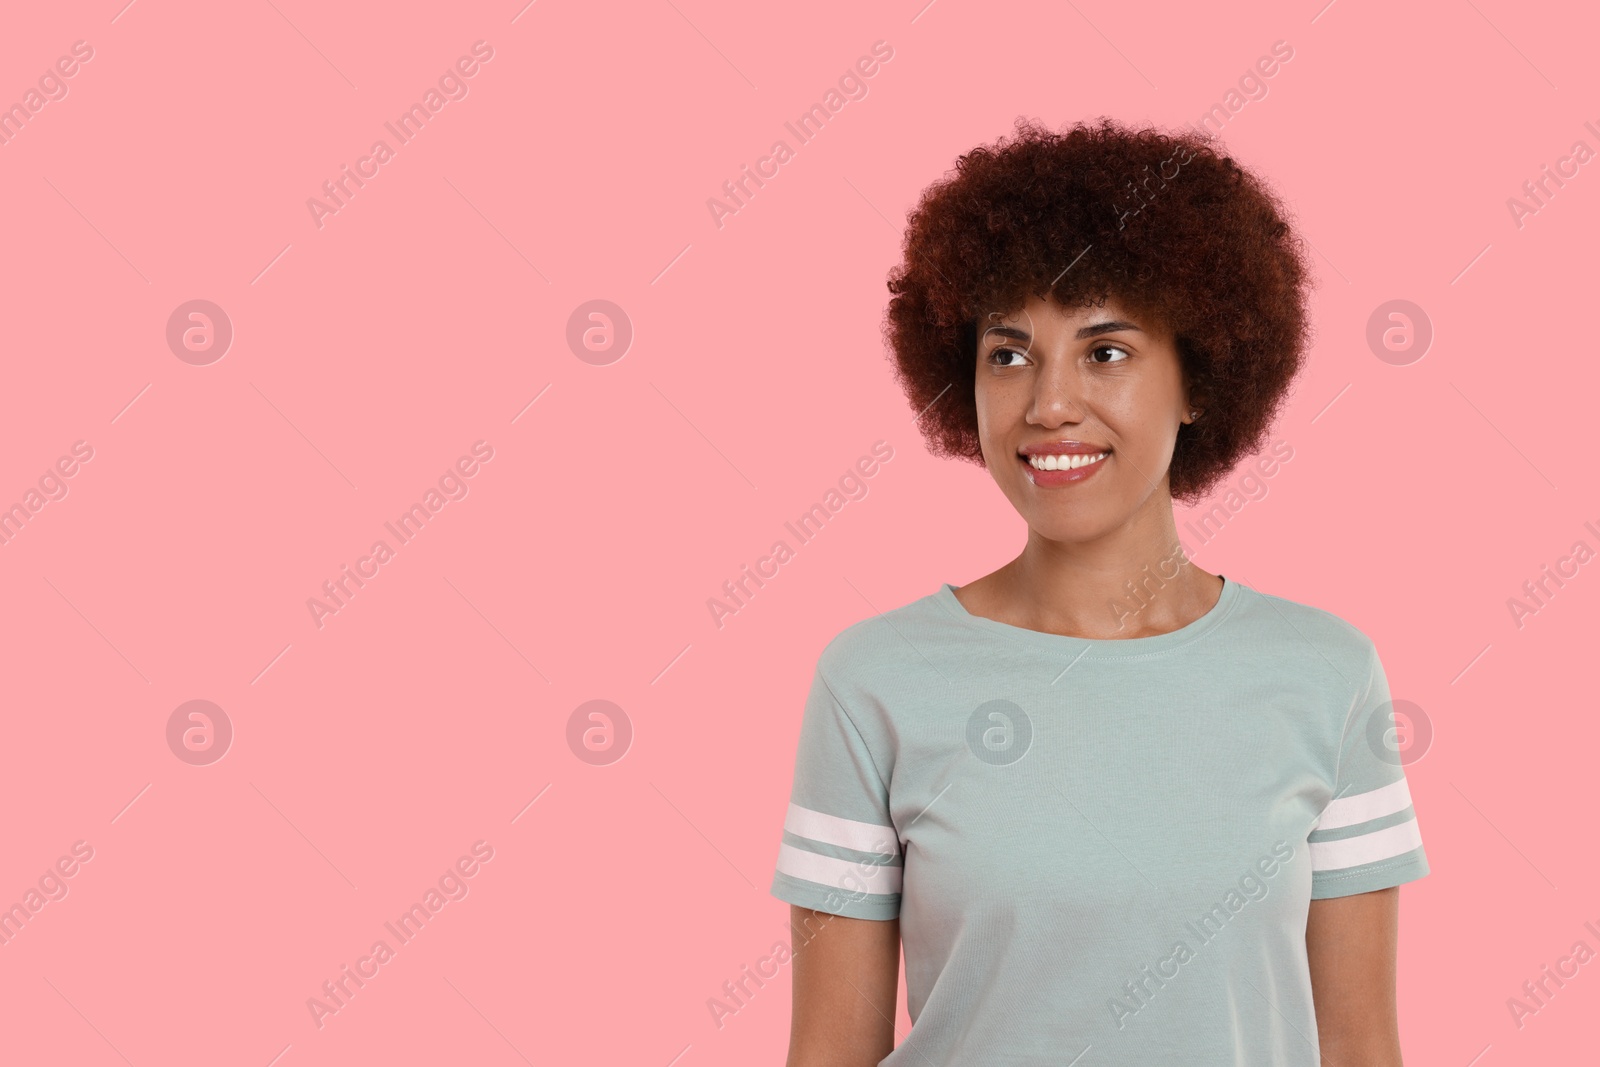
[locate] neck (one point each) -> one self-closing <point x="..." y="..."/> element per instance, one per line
<point x="1133" y="581"/>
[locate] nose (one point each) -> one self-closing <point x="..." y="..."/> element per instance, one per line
<point x="1056" y="395"/>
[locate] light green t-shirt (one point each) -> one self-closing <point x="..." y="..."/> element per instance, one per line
<point x="1102" y="849"/>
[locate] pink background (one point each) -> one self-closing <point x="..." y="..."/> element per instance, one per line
<point x="368" y="354"/>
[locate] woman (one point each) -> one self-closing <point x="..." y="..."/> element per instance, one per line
<point x="1118" y="809"/>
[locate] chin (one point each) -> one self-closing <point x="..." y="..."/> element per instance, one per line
<point x="1069" y="529"/>
<point x="1067" y="520"/>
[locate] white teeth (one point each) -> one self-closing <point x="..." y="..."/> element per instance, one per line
<point x="1062" y="463"/>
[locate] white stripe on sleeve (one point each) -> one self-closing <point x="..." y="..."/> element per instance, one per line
<point x="843" y="874"/>
<point x="846" y="833"/>
<point x="1378" y="845"/>
<point x="1347" y="811"/>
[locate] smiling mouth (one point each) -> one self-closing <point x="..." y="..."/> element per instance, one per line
<point x="1063" y="462"/>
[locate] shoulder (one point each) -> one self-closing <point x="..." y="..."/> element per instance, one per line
<point x="1301" y="631"/>
<point x="884" y="646"/>
<point x="1313" y="621"/>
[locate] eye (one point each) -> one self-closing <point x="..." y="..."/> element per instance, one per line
<point x="993" y="353"/>
<point x="1097" y="349"/>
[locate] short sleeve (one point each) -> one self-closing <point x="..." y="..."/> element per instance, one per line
<point x="1367" y="838"/>
<point x="840" y="852"/>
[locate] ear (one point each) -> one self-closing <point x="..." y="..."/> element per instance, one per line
<point x="1196" y="395"/>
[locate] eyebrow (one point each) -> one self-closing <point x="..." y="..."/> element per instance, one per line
<point x="1086" y="332"/>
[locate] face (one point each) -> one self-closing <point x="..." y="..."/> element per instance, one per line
<point x="1076" y="383"/>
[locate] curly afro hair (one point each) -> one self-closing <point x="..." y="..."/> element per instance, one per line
<point x="1164" y="223"/>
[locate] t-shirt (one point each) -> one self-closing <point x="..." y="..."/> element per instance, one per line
<point x="1099" y="848"/>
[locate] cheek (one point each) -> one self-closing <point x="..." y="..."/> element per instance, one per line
<point x="996" y="420"/>
<point x="985" y="403"/>
<point x="1144" y="416"/>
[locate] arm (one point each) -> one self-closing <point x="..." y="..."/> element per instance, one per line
<point x="846" y="980"/>
<point x="1351" y="943"/>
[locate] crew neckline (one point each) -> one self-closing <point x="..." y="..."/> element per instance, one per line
<point x="1097" y="648"/>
